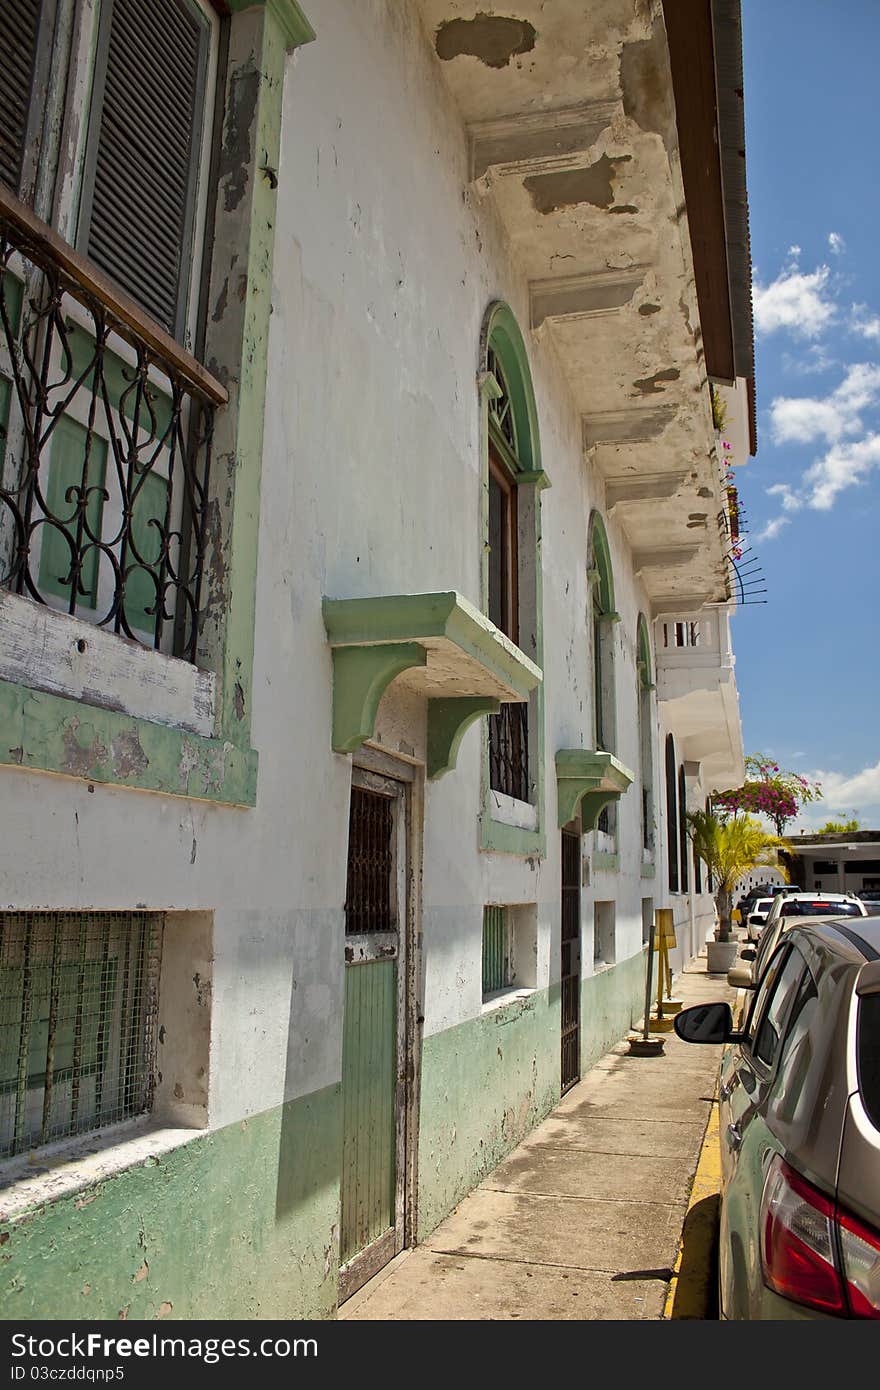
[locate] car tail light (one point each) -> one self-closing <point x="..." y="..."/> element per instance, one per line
<point x="804" y="1237"/>
<point x="860" y="1247"/>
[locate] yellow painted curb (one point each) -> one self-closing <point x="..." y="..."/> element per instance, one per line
<point x="692" y="1287"/>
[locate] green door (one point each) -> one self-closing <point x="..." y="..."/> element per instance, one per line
<point x="374" y="1092"/>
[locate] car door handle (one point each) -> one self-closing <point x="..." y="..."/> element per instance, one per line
<point x="734" y="1138"/>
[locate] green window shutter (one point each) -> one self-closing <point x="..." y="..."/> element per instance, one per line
<point x="145" y="137"/>
<point x="19" y="33"/>
<point x="66" y="471"/>
<point x="495" y="950"/>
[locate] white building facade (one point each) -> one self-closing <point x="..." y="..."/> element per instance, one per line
<point x="364" y="630"/>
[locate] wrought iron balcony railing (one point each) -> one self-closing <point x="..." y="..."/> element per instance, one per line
<point x="106" y="428"/>
<point x="509" y="751"/>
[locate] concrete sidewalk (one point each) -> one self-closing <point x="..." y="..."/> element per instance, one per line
<point x="585" y="1217"/>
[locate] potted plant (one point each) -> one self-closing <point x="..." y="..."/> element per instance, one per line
<point x="729" y="849"/>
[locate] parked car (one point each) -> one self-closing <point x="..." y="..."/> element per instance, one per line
<point x="800" y="1128"/>
<point x="871" y="902"/>
<point x="757" y="916"/>
<point x="784" y="913"/>
<point x="800" y="904"/>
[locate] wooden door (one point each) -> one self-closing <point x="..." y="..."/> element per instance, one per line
<point x="374" y="1068"/>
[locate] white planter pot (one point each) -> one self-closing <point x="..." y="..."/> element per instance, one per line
<point x="720" y="956"/>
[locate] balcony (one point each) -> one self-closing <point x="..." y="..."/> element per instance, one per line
<point x="696" y="691"/>
<point x="106" y="425"/>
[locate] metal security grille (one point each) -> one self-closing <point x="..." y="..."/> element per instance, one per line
<point x="79" y="997"/>
<point x="19" y="25"/>
<point x="509" y="751"/>
<point x="496" y="949"/>
<point x="104" y="492"/>
<point x="368" y="895"/>
<point x="501" y="409"/>
<point x="571" y="958"/>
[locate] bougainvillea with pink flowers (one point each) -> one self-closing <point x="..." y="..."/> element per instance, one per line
<point x="768" y="791"/>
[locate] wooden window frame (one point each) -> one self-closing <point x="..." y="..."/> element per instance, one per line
<point x="506" y="482"/>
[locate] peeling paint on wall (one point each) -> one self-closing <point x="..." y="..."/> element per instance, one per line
<point x="644" y="82"/>
<point x="653" y="385"/>
<point x="570" y="187"/>
<point x="494" y="39"/>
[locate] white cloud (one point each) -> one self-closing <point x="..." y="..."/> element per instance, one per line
<point x="790" y="500"/>
<point x="794" y="252"/>
<point x="795" y="300"/>
<point x="837" y="243"/>
<point x="845" y="465"/>
<point x="772" y="529"/>
<point x="865" y="323"/>
<point x="801" y="419"/>
<point x="808" y="361"/>
<point x="842" y="794"/>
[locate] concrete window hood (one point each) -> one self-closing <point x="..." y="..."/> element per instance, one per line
<point x="438" y="645"/>
<point x="589" y="779"/>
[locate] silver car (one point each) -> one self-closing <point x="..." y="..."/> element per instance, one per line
<point x="799" y="1117"/>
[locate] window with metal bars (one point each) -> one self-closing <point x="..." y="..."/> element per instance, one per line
<point x="369" y="894"/>
<point x="107" y="438"/>
<point x="79" y="1000"/>
<point x="497" y="950"/>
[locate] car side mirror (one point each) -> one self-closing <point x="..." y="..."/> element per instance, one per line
<point x="747" y="955"/>
<point x="740" y="978"/>
<point x="706" y="1023"/>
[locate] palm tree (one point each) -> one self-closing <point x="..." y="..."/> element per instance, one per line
<point x="729" y="849"/>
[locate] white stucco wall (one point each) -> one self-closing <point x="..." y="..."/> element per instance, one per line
<point x="384" y="266"/>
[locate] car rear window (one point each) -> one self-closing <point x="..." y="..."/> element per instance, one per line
<point x="820" y="907"/>
<point x="868" y="1052"/>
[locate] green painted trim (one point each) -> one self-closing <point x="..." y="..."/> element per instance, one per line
<point x="643" y="649"/>
<point x="50" y="733"/>
<point x="499" y="838"/>
<point x="648" y="871"/>
<point x="588" y="778"/>
<point x="501" y="330"/>
<point x="360" y="622"/>
<point x="289" y="16"/>
<point x="605" y="863"/>
<point x="536" y="479"/>
<point x="448" y="721"/>
<point x="361" y="675"/>
<point x="600" y="555"/>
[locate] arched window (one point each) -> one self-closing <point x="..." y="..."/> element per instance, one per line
<point x="646" y="740"/>
<point x="671" y="815"/>
<point x="682" y="830"/>
<point x="603" y="617"/>
<point x="513" y="480"/>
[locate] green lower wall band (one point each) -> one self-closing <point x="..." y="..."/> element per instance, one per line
<point x="611" y="1002"/>
<point x="485" y="1084"/>
<point x="239" y="1224"/>
<point x="243" y="1222"/>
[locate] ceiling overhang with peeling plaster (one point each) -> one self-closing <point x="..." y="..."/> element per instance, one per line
<point x="571" y="122"/>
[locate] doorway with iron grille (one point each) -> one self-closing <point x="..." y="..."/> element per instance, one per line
<point x="570" y="974"/>
<point x="378" y="1046"/>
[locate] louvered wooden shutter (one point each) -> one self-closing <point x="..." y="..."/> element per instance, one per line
<point x="144" y="144"/>
<point x="19" y="29"/>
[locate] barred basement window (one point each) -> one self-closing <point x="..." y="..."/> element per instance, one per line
<point x="497" y="950"/>
<point x="79" y="998"/>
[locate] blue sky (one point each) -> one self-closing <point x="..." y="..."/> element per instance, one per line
<point x="807" y="662"/>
